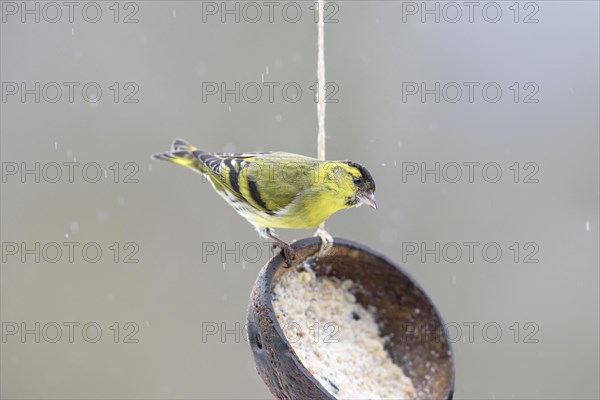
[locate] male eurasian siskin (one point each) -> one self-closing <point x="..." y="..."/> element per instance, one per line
<point x="279" y="190"/>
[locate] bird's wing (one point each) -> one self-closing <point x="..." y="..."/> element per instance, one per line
<point x="267" y="181"/>
<point x="276" y="180"/>
<point x="225" y="170"/>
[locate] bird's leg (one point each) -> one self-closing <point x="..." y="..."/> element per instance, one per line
<point x="287" y="250"/>
<point x="326" y="241"/>
<point x="326" y="245"/>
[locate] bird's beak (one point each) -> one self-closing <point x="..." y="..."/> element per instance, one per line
<point x="368" y="199"/>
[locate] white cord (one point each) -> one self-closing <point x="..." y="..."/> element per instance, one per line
<point x="321" y="82"/>
<point x="326" y="239"/>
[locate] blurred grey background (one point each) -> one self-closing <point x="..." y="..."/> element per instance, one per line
<point x="180" y="291"/>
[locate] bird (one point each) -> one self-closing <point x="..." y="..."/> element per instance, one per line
<point x="278" y="189"/>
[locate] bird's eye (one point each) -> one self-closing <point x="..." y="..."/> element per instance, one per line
<point x="357" y="180"/>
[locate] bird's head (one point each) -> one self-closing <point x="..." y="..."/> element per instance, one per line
<point x="354" y="184"/>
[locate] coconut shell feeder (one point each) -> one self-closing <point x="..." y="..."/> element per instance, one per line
<point x="416" y="340"/>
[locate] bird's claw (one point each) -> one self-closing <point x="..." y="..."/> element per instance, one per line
<point x="326" y="241"/>
<point x="287" y="251"/>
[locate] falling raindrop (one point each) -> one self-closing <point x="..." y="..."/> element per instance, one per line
<point x="74" y="227"/>
<point x="55" y="145"/>
<point x="587" y="226"/>
<point x="278" y="118"/>
<point x="174" y="13"/>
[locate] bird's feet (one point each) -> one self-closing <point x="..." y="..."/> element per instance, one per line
<point x="326" y="241"/>
<point x="286" y="250"/>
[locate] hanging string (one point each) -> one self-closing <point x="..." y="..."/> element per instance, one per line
<point x="326" y="239"/>
<point x="321" y="83"/>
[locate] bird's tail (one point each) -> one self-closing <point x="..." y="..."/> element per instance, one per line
<point x="184" y="154"/>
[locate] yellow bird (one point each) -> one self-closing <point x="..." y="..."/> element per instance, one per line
<point x="279" y="190"/>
